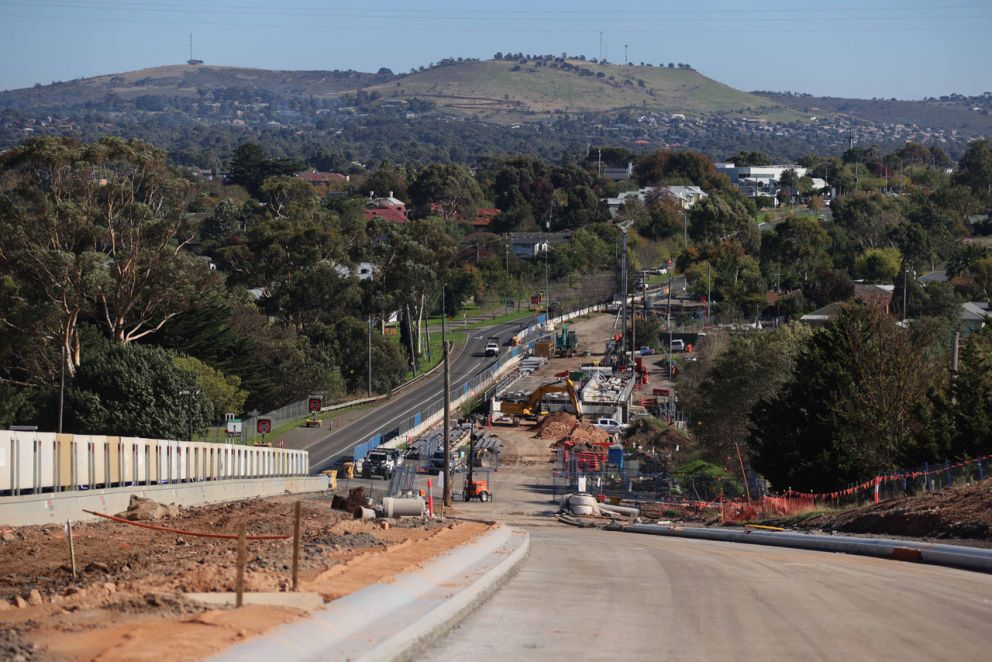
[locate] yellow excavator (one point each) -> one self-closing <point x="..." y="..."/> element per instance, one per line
<point x="531" y="407"/>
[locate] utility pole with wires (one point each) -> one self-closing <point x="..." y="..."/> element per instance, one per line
<point x="370" y="356"/>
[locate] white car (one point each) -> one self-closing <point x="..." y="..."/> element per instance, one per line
<point x="492" y="347"/>
<point x="611" y="425"/>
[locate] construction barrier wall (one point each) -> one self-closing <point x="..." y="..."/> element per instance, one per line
<point x="38" y="462"/>
<point x="57" y="507"/>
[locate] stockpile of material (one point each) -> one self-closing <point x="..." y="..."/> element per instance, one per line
<point x="556" y="426"/>
<point x="563" y="427"/>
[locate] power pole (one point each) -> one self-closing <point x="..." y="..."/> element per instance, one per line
<point x="370" y="356"/>
<point x="625" y="62"/>
<point x="623" y="280"/>
<point x="447" y="431"/>
<point x="62" y="386"/>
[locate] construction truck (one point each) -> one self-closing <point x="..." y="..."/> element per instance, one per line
<point x="566" y="343"/>
<point x="531" y="407"/>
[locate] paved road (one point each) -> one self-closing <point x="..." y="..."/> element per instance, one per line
<point x="405" y="405"/>
<point x="588" y="594"/>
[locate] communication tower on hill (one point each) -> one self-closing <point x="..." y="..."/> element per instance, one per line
<point x="191" y="60"/>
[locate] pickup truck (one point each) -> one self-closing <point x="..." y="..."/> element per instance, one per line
<point x="611" y="425"/>
<point x="492" y="346"/>
<point x="381" y="462"/>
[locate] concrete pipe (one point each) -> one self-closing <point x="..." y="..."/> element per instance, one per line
<point x="364" y="513"/>
<point x="583" y="504"/>
<point x="620" y="510"/>
<point x="407" y="507"/>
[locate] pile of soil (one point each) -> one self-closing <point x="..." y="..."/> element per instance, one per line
<point x="958" y="512"/>
<point x="556" y="426"/>
<point x="562" y="426"/>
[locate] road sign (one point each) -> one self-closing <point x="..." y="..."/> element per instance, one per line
<point x="263" y="426"/>
<point x="315" y="404"/>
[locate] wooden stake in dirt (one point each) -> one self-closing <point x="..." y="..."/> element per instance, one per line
<point x="296" y="545"/>
<point x="72" y="547"/>
<point x="240" y="582"/>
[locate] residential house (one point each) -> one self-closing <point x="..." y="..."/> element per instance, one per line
<point x="388" y="208"/>
<point x="975" y="315"/>
<point x="684" y="196"/>
<point x="868" y="294"/>
<point x="528" y="245"/>
<point x="617" y="174"/>
<point x="361" y="271"/>
<point x="760" y="181"/>
<point x="316" y="177"/>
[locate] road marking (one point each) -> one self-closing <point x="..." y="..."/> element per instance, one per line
<point x="477" y="369"/>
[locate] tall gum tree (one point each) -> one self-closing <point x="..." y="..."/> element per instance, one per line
<point x="98" y="229"/>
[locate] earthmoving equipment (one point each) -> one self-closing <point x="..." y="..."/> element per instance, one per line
<point x="530" y="407"/>
<point x="566" y="342"/>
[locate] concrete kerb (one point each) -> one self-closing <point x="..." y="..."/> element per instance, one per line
<point x="954" y="556"/>
<point x="393" y="621"/>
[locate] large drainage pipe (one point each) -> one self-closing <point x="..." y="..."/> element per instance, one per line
<point x="955" y="556"/>
<point x="620" y="510"/>
<point x="406" y="507"/>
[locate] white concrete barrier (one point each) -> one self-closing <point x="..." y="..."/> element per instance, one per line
<point x="56" y="508"/>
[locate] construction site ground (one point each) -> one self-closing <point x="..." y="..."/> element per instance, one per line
<point x="128" y="603"/>
<point x="957" y="514"/>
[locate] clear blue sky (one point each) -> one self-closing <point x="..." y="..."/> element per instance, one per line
<point x="868" y="48"/>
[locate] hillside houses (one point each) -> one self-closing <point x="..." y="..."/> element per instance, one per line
<point x="683" y="196"/>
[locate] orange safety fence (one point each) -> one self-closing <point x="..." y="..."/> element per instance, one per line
<point x="877" y="481"/>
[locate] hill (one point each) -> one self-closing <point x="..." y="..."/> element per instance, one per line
<point x="890" y="111"/>
<point x="503" y="90"/>
<point x="191" y="81"/>
<point x="495" y="90"/>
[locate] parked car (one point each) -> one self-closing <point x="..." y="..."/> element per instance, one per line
<point x="678" y="345"/>
<point x="611" y="425"/>
<point x="646" y="351"/>
<point x="437" y="461"/>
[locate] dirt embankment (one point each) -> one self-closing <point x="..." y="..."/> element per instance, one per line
<point x="959" y="512"/>
<point x="127" y="602"/>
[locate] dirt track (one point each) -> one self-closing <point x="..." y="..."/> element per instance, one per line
<point x="127" y="601"/>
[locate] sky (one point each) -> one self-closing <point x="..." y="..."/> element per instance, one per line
<point x="863" y="48"/>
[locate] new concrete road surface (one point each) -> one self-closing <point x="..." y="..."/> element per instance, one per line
<point x="593" y="595"/>
<point x="587" y="594"/>
<point x="407" y="403"/>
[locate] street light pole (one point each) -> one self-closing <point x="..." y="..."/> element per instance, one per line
<point x="623" y="262"/>
<point x="370" y="356"/>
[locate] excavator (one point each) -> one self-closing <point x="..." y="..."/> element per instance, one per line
<point x="531" y="407"/>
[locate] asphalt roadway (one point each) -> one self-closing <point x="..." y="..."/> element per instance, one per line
<point x="423" y="395"/>
<point x="587" y="594"/>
